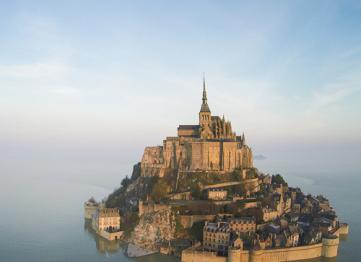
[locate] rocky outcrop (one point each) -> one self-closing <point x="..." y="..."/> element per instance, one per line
<point x="136" y="251"/>
<point x="154" y="228"/>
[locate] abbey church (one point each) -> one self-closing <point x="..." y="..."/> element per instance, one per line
<point x="211" y="146"/>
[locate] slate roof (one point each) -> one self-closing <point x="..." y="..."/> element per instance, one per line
<point x="205" y="108"/>
<point x="187" y="127"/>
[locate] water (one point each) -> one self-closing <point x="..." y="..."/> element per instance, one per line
<point x="343" y="190"/>
<point x="41" y="214"/>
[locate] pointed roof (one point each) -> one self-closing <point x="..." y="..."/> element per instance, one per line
<point x="204" y="98"/>
<point x="204" y="107"/>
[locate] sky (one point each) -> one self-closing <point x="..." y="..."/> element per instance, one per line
<point x="89" y="84"/>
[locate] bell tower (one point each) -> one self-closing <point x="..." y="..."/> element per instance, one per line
<point x="205" y="115"/>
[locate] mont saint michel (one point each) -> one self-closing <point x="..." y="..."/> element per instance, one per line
<point x="199" y="197"/>
<point x="168" y="131"/>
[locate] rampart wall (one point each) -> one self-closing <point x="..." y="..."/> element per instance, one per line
<point x="328" y="248"/>
<point x="146" y="208"/>
<point x="201" y="256"/>
<point x="187" y="221"/>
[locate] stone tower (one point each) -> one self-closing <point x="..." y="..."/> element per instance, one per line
<point x="205" y="116"/>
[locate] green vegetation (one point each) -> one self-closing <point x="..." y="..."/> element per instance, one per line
<point x="196" y="191"/>
<point x="196" y="231"/>
<point x="278" y="180"/>
<point x="236" y="175"/>
<point x="121" y="196"/>
<point x="187" y="180"/>
<point x="130" y="220"/>
<point x="179" y="229"/>
<point x="160" y="190"/>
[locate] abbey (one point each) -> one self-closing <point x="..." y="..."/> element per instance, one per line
<point x="209" y="146"/>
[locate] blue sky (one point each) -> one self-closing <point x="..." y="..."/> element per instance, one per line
<point x="98" y="78"/>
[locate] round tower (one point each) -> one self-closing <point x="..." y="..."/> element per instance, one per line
<point x="234" y="255"/>
<point x="330" y="246"/>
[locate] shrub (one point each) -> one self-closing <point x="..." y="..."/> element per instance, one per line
<point x="160" y="190"/>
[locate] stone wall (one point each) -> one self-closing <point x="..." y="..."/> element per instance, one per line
<point x="187" y="221"/>
<point x="220" y="155"/>
<point x="286" y="254"/>
<point x="147" y="208"/>
<point x="328" y="248"/>
<point x="193" y="154"/>
<point x="343" y="230"/>
<point x="199" y="256"/>
<point x="111" y="235"/>
<point x="250" y="185"/>
<point x="181" y="196"/>
<point x="89" y="211"/>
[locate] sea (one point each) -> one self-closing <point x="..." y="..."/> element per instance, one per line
<point x="41" y="211"/>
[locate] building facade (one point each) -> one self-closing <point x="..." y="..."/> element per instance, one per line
<point x="106" y="219"/>
<point x="216" y="194"/>
<point x="243" y="225"/>
<point x="211" y="146"/>
<point x="216" y="236"/>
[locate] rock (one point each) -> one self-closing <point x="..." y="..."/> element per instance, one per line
<point x="136" y="251"/>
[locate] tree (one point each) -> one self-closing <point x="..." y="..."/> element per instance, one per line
<point x="196" y="191"/>
<point x="236" y="175"/>
<point x="125" y="182"/>
<point x="278" y="179"/>
<point x="197" y="230"/>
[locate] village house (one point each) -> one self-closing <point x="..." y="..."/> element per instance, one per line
<point x="243" y="225"/>
<point x="216" y="236"/>
<point x="106" y="222"/>
<point x="292" y="236"/>
<point x="268" y="214"/>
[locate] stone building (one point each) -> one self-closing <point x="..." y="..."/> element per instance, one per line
<point x="90" y="207"/>
<point x="216" y="236"/>
<point x="292" y="236"/>
<point x="243" y="224"/>
<point x="268" y="214"/>
<point x="211" y="145"/>
<point x="106" y="219"/>
<point x="216" y="194"/>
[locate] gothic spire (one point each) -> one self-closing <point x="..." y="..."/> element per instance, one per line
<point x="204" y="98"/>
<point x="204" y="107"/>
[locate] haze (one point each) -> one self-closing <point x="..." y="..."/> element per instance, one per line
<point x="86" y="85"/>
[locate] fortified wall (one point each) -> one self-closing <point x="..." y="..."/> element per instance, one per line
<point x="328" y="248"/>
<point x="251" y="185"/>
<point x="147" y="208"/>
<point x="187" y="221"/>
